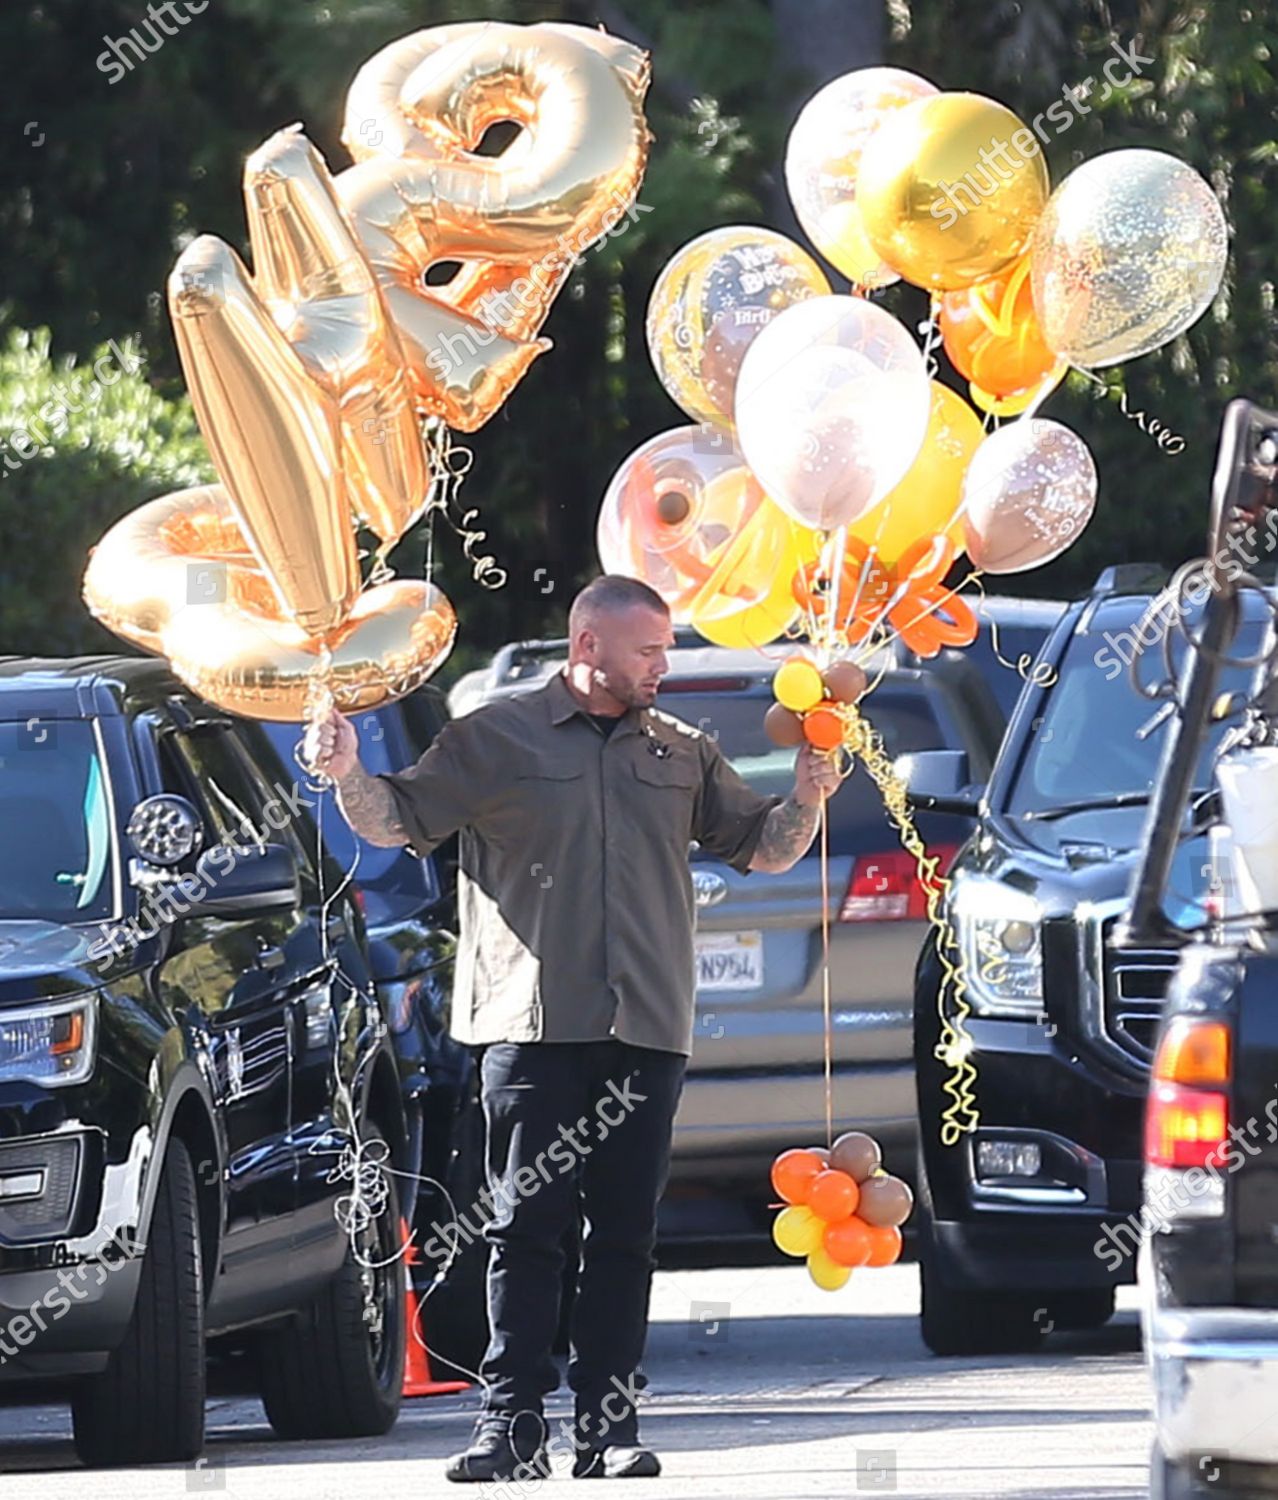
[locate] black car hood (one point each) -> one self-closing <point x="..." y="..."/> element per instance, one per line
<point x="45" y="960"/>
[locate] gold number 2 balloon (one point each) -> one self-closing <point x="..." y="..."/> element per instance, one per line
<point x="310" y="376"/>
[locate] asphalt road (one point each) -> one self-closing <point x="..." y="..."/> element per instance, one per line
<point x="761" y="1386"/>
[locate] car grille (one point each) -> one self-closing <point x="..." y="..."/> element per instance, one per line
<point x="1135" y="986"/>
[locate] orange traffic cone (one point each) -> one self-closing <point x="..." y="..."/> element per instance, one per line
<point x="418" y="1380"/>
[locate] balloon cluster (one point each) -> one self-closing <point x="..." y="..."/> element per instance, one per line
<point x="843" y="1210"/>
<point x="816" y="415"/>
<point x="809" y="699"/>
<point x="325" y="380"/>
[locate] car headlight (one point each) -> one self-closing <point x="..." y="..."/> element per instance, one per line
<point x="51" y="1044"/>
<point x="1000" y="939"/>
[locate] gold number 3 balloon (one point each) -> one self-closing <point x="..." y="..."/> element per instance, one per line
<point x="310" y="376"/>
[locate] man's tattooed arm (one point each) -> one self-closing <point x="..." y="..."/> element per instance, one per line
<point x="368" y="805"/>
<point x="786" y="838"/>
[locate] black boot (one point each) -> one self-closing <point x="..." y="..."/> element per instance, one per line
<point x="616" y="1462"/>
<point x="503" y="1447"/>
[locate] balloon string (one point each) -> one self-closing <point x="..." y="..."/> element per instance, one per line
<point x="954" y="1045"/>
<point x="1042" y="674"/>
<point x="825" y="972"/>
<point x="945" y="598"/>
<point x="1169" y="442"/>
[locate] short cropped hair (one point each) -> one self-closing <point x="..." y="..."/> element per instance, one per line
<point x="610" y="594"/>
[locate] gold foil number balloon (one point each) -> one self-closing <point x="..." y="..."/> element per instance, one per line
<point x="823" y="160"/>
<point x="1129" y="253"/>
<point x="712" y="301"/>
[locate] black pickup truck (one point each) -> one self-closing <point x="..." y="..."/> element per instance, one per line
<point x="1209" y="1265"/>
<point x="191" y="1048"/>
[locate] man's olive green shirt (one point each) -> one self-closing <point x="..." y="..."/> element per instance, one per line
<point x="574" y="891"/>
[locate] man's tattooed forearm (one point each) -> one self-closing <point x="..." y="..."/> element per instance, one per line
<point x="368" y="805"/>
<point x="787" y="835"/>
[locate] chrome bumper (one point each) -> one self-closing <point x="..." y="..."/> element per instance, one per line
<point x="1215" y="1376"/>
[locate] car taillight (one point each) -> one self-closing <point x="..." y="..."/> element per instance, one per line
<point x="886" y="887"/>
<point x="1187" y="1122"/>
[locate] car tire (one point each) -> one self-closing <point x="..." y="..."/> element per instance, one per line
<point x="1078" y="1311"/>
<point x="147" y="1406"/>
<point x="337" y="1369"/>
<point x="959" y="1320"/>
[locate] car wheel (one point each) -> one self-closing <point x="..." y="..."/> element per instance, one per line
<point x="455" y="1315"/>
<point x="147" y="1406"/>
<point x="958" y="1320"/>
<point x="337" y="1370"/>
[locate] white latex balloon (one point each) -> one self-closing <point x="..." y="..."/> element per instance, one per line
<point x="1029" y="492"/>
<point x="832" y="407"/>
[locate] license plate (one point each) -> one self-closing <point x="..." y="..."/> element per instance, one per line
<point x="729" y="960"/>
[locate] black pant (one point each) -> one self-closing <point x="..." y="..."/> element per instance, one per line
<point x="570" y="1123"/>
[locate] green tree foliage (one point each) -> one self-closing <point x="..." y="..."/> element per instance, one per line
<point x="85" y="442"/>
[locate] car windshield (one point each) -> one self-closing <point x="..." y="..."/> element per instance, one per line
<point x="57" y="856"/>
<point x="1098" y="741"/>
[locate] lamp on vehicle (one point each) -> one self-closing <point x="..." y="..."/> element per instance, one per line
<point x="48" y="1044"/>
<point x="1008" y="1159"/>
<point x="165" y="830"/>
<point x="1000" y="937"/>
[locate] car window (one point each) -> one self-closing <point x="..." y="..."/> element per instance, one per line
<point x="57" y="851"/>
<point x="1095" y="735"/>
<point x="1014" y="642"/>
<point x="903" y="715"/>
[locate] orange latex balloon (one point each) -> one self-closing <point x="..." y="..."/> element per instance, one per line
<point x="885" y="1244"/>
<point x="833" y="1196"/>
<point x="848" y="1242"/>
<point x="823" y="727"/>
<point x="794" y="1172"/>
<point x="992" y="336"/>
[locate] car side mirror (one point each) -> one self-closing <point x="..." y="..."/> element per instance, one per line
<point x="940" y="781"/>
<point x="237" y="883"/>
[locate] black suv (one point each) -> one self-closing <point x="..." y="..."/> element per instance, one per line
<point x="1023" y="1223"/>
<point x="197" y="1086"/>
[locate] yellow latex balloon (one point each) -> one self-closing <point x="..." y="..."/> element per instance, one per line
<point x="712" y="301"/>
<point x="797" y="1231"/>
<point x="749" y="598"/>
<point x="951" y="189"/>
<point x="798" y="685"/>
<point x="927" y="500"/>
<point x="828" y="1274"/>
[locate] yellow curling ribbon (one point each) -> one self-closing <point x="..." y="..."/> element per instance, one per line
<point x="954" y="1048"/>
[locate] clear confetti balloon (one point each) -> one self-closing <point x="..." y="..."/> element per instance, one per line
<point x="685" y="514"/>
<point x="1029" y="492"/>
<point x="712" y="301"/>
<point x="832" y="407"/>
<point x="824" y="156"/>
<point x="1129" y="253"/>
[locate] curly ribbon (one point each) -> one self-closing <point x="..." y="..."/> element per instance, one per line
<point x="954" y="1048"/>
<point x="1041" y="674"/>
<point x="1152" y="427"/>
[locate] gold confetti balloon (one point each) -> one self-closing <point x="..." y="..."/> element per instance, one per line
<point x="1129" y="253"/>
<point x="712" y="301"/>
<point x="823" y="158"/>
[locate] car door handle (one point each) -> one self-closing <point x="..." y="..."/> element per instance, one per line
<point x="270" y="958"/>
